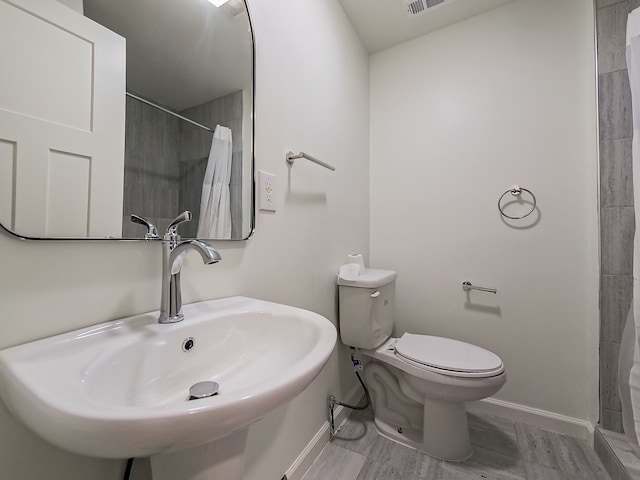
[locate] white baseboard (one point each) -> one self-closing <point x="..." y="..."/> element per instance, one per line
<point x="321" y="438"/>
<point x="554" y="422"/>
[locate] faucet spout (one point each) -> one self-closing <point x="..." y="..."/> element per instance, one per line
<point x="173" y="253"/>
<point x="207" y="252"/>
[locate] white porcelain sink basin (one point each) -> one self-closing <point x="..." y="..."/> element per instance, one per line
<point x="120" y="389"/>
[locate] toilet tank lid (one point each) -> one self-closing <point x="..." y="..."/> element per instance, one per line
<point x="370" y="278"/>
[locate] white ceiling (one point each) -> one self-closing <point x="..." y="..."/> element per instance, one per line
<point x="180" y="53"/>
<point x="384" y="23"/>
<point x="193" y="44"/>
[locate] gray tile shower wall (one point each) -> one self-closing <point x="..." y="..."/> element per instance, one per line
<point x="614" y="105"/>
<point x="616" y="184"/>
<point x="617" y="225"/>
<point x="151" y="152"/>
<point x="174" y="154"/>
<point x="617" y="229"/>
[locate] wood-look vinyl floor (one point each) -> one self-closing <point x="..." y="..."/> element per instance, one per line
<point x="503" y="450"/>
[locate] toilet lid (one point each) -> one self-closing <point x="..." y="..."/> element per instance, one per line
<point x="447" y="354"/>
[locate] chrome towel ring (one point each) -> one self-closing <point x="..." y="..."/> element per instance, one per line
<point x="516" y="190"/>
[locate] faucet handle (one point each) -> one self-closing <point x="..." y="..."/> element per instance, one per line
<point x="172" y="229"/>
<point x="152" y="231"/>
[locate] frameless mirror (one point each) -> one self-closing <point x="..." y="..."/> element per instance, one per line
<point x="119" y="107"/>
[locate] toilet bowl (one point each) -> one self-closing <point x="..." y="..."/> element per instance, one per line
<point x="420" y="402"/>
<point x="419" y="383"/>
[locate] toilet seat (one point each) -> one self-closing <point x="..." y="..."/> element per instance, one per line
<point x="447" y="356"/>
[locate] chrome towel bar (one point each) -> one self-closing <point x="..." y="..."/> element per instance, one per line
<point x="291" y="157"/>
<point x="466" y="286"/>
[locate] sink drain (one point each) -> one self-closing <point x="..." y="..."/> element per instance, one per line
<point x="188" y="344"/>
<point x="203" y="390"/>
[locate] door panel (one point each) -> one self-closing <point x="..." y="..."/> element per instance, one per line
<point x="62" y="109"/>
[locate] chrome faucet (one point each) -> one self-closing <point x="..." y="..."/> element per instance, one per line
<point x="152" y="231"/>
<point x="173" y="252"/>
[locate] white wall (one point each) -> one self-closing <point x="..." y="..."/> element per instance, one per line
<point x="312" y="95"/>
<point x="457" y="118"/>
<point x="75" y="4"/>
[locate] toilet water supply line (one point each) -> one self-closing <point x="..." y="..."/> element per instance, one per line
<point x="357" y="365"/>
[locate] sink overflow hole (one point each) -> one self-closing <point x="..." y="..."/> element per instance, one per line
<point x="203" y="390"/>
<point x="188" y="344"/>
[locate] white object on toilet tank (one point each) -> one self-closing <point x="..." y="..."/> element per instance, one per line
<point x="366" y="308"/>
<point x="352" y="268"/>
<point x="349" y="272"/>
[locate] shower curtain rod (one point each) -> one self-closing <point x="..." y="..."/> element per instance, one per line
<point x="166" y="110"/>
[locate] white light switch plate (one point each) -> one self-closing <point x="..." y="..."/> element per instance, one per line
<point x="266" y="191"/>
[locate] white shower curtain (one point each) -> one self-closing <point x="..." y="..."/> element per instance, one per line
<point x="215" y="204"/>
<point x="633" y="64"/>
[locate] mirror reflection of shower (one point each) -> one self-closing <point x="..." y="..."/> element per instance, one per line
<point x="167" y="168"/>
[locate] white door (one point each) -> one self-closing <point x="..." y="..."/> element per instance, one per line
<point x="62" y="113"/>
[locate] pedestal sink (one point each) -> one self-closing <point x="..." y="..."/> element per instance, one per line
<point x="121" y="389"/>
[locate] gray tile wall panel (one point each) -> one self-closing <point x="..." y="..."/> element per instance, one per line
<point x="617" y="226"/>
<point x="614" y="105"/>
<point x="616" y="294"/>
<point x="616" y="196"/>
<point x="609" y="397"/>
<point x="611" y="26"/>
<point x="616" y="175"/>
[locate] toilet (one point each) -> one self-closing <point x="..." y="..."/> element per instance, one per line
<point x="418" y="383"/>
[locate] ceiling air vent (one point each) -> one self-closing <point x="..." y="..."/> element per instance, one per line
<point x="418" y="7"/>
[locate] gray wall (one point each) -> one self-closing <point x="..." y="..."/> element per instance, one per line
<point x="165" y="161"/>
<point x="616" y="198"/>
<point x="151" y="170"/>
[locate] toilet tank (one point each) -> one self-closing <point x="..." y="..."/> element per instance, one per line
<point x="367" y="308"/>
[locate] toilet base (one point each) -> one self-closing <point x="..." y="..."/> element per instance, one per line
<point x="446" y="431"/>
<point x="409" y="437"/>
<point x="435" y="427"/>
<point x="452" y="445"/>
